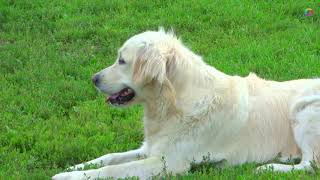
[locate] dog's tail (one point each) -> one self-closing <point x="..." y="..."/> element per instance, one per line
<point x="303" y="102"/>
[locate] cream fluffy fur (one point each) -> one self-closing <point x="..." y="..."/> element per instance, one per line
<point x="192" y="109"/>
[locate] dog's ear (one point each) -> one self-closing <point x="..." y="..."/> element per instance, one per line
<point x="150" y="65"/>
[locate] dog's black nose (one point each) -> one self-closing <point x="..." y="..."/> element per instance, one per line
<point x="95" y="79"/>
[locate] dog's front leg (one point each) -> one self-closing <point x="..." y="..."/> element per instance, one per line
<point x="143" y="169"/>
<point x="115" y="158"/>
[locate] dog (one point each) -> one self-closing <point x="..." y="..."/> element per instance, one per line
<point x="192" y="109"/>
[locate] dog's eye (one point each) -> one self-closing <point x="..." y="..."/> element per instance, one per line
<point x="121" y="61"/>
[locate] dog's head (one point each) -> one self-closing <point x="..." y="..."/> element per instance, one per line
<point x="141" y="71"/>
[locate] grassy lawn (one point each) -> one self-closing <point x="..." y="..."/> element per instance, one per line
<point x="51" y="116"/>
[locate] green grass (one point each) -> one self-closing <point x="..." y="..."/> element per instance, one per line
<point x="51" y="116"/>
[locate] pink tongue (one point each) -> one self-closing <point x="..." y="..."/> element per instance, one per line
<point x="113" y="97"/>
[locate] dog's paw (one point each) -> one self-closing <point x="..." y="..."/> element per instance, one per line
<point x="276" y="168"/>
<point x="267" y="167"/>
<point x="75" y="175"/>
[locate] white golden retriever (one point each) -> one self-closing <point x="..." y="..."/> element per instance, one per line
<point x="192" y="109"/>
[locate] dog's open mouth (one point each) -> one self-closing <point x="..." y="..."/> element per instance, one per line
<point x="122" y="97"/>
